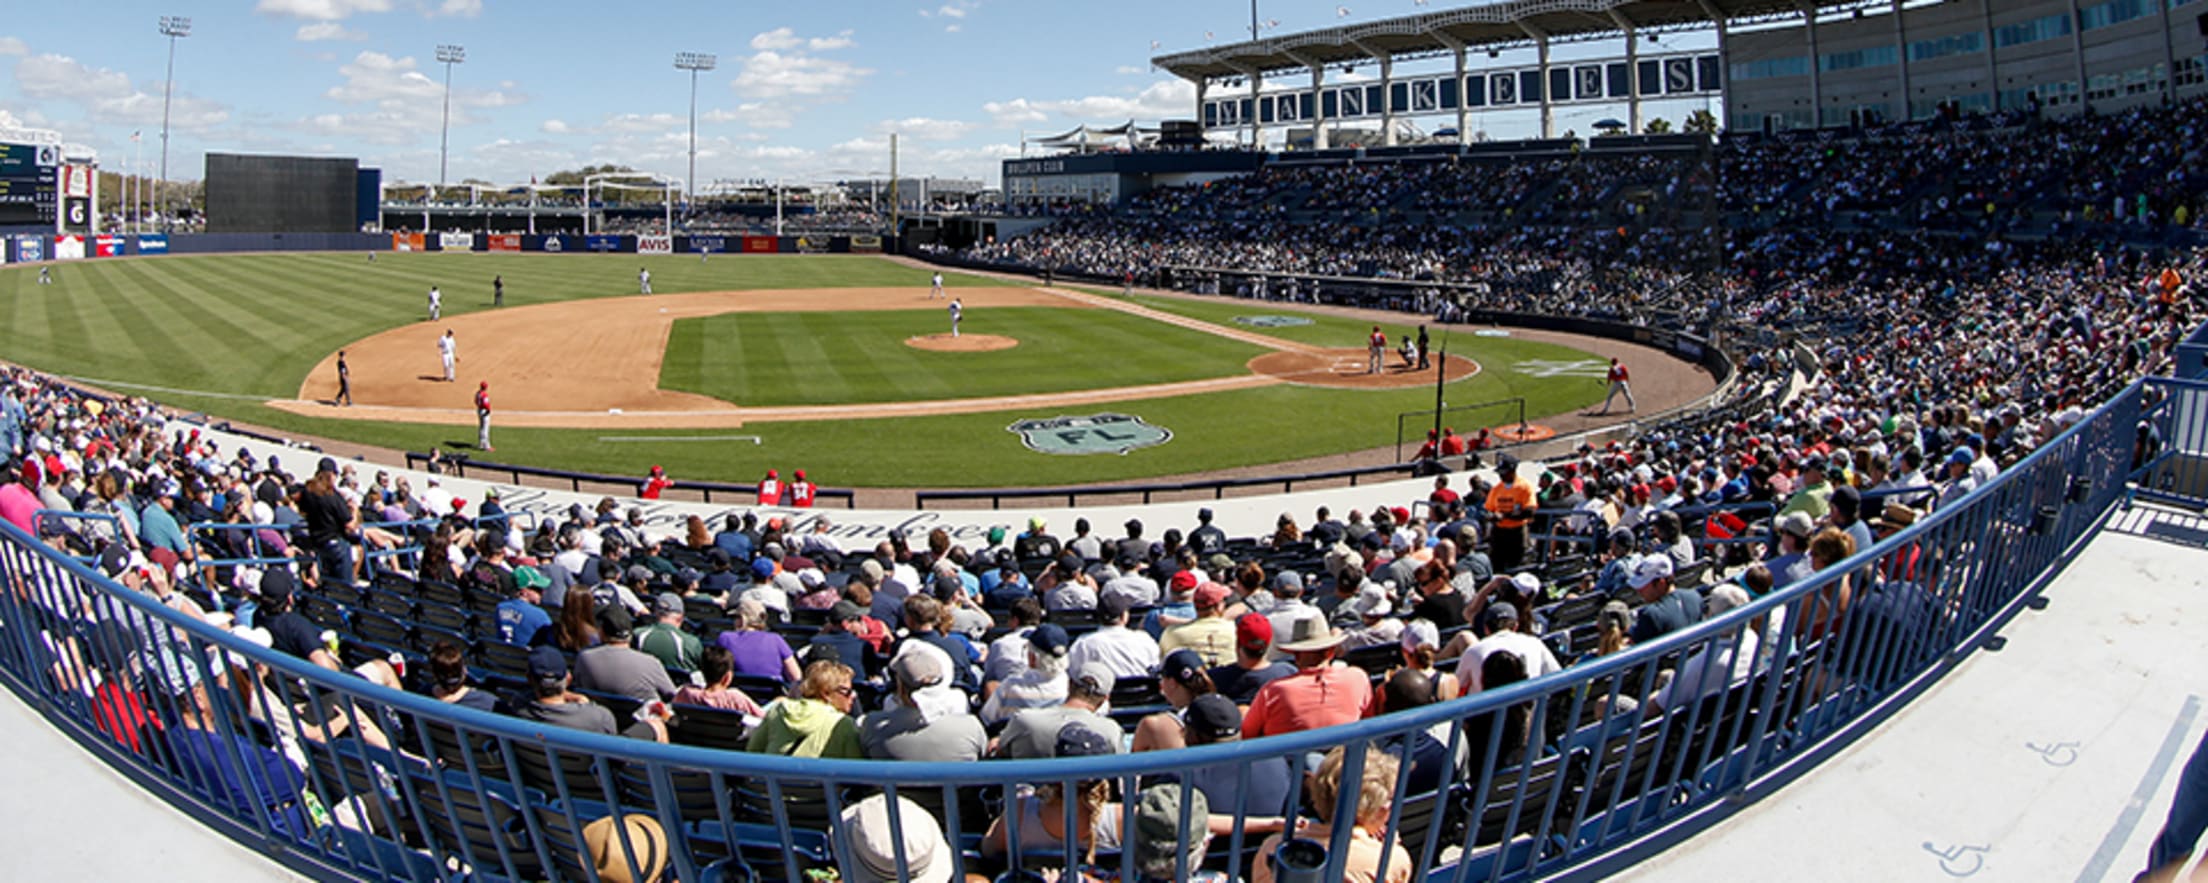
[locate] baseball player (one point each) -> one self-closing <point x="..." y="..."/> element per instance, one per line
<point x="45" y="275"/>
<point x="770" y="489"/>
<point x="656" y="484"/>
<point x="1376" y="348"/>
<point x="1620" y="383"/>
<point x="344" y="382"/>
<point x="957" y="312"/>
<point x="1422" y="360"/>
<point x="436" y="303"/>
<point x="483" y="417"/>
<point x="802" y="491"/>
<point x="448" y="352"/>
<point x="936" y="288"/>
<point x="643" y="281"/>
<point x="498" y="291"/>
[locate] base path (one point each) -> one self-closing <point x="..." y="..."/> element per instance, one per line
<point x="594" y="364"/>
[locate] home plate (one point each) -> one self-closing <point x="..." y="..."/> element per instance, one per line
<point x="618" y="410"/>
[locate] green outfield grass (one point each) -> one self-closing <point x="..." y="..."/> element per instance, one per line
<point x="827" y="358"/>
<point x="219" y="333"/>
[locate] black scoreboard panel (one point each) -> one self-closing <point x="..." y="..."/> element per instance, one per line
<point x="27" y="174"/>
<point x="281" y="194"/>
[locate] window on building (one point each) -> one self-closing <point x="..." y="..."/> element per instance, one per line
<point x="2112" y="12"/>
<point x="1769" y="68"/>
<point x="2038" y="29"/>
<point x="2191" y="72"/>
<point x="1942" y="47"/>
<point x="1869" y="56"/>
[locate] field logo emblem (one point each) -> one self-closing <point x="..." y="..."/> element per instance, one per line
<point x="1094" y="434"/>
<point x="1271" y="321"/>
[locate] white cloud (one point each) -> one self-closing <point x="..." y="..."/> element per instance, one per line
<point x="400" y="100"/>
<point x="842" y="40"/>
<point x="952" y="29"/>
<point x="109" y="96"/>
<point x="555" y="127"/>
<point x="643" y="123"/>
<point x="324" y="30"/>
<point x="13" y="46"/>
<point x="953" y="9"/>
<point x="1128" y="70"/>
<point x="773" y="74"/>
<point x="321" y="10"/>
<point x="756" y="114"/>
<point x="1161" y="99"/>
<point x="778" y="40"/>
<point x="926" y="129"/>
<point x="461" y="8"/>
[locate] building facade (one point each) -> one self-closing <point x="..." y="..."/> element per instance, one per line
<point x="1981" y="55"/>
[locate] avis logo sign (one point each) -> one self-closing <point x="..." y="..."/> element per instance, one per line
<point x="1094" y="434"/>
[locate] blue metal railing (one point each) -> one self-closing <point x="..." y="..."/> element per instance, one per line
<point x="414" y="788"/>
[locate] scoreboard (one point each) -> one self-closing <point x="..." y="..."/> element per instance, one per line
<point x="28" y="193"/>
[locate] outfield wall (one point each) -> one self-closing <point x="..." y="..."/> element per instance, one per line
<point x="35" y="248"/>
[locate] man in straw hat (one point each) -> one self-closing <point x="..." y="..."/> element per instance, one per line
<point x="1319" y="694"/>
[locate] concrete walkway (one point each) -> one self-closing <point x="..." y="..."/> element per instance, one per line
<point x="2051" y="759"/>
<point x="69" y="817"/>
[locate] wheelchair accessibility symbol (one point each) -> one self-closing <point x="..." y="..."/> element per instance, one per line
<point x="1960" y="860"/>
<point x="2058" y="754"/>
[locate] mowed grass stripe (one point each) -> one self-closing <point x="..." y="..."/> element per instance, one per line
<point x="821" y="358"/>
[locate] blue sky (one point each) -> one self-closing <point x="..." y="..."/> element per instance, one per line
<point x="804" y="91"/>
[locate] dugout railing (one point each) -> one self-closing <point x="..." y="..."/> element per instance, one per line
<point x="459" y="465"/>
<point x="456" y="792"/>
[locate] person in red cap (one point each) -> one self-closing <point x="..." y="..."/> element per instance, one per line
<point x="1210" y="634"/>
<point x="801" y="491"/>
<point x="1452" y="444"/>
<point x="656" y="483"/>
<point x="1376" y="348"/>
<point x="770" y="489"/>
<point x="482" y="416"/>
<point x="1431" y="449"/>
<point x="1249" y="672"/>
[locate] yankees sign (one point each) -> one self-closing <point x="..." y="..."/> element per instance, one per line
<point x="1094" y="434"/>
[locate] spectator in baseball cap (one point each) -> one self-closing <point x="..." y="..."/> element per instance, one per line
<point x="1182" y="676"/>
<point x="1033" y="732"/>
<point x="1041" y="685"/>
<point x="1251" y="669"/>
<point x="1210" y="634"/>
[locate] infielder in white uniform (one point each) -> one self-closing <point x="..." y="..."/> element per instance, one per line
<point x="957" y="312"/>
<point x="448" y="352"/>
<point x="436" y="303"/>
<point x="937" y="290"/>
<point x="643" y="281"/>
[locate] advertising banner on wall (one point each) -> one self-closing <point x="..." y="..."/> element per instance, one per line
<point x="408" y="242"/>
<point x="655" y="245"/>
<point x="866" y="244"/>
<point x="552" y="243"/>
<point x="455" y="241"/>
<point x="153" y="243"/>
<point x="815" y="244"/>
<point x="30" y="249"/>
<point x="706" y="244"/>
<point x="68" y="248"/>
<point x="504" y="241"/>
<point x="76" y="213"/>
<point x="107" y="245"/>
<point x="759" y="245"/>
<point x="602" y="242"/>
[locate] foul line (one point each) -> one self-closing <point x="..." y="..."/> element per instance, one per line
<point x="2128" y="820"/>
<point x="681" y="438"/>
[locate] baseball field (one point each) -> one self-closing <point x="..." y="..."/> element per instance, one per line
<point x="841" y="365"/>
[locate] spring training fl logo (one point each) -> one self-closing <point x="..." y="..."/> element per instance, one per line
<point x="1271" y="321"/>
<point x="1094" y="434"/>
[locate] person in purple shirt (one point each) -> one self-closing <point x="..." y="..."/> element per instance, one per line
<point x="758" y="651"/>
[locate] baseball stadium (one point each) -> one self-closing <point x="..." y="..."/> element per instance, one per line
<point x="1520" y="440"/>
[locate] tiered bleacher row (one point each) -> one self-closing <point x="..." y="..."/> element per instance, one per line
<point x="1641" y="627"/>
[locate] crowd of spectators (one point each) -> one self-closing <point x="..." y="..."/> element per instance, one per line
<point x="1938" y="361"/>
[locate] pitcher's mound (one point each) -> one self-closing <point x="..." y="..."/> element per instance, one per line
<point x="964" y="343"/>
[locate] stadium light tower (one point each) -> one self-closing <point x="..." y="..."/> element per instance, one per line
<point x="694" y="62"/>
<point x="447" y="54"/>
<point x="172" y="26"/>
